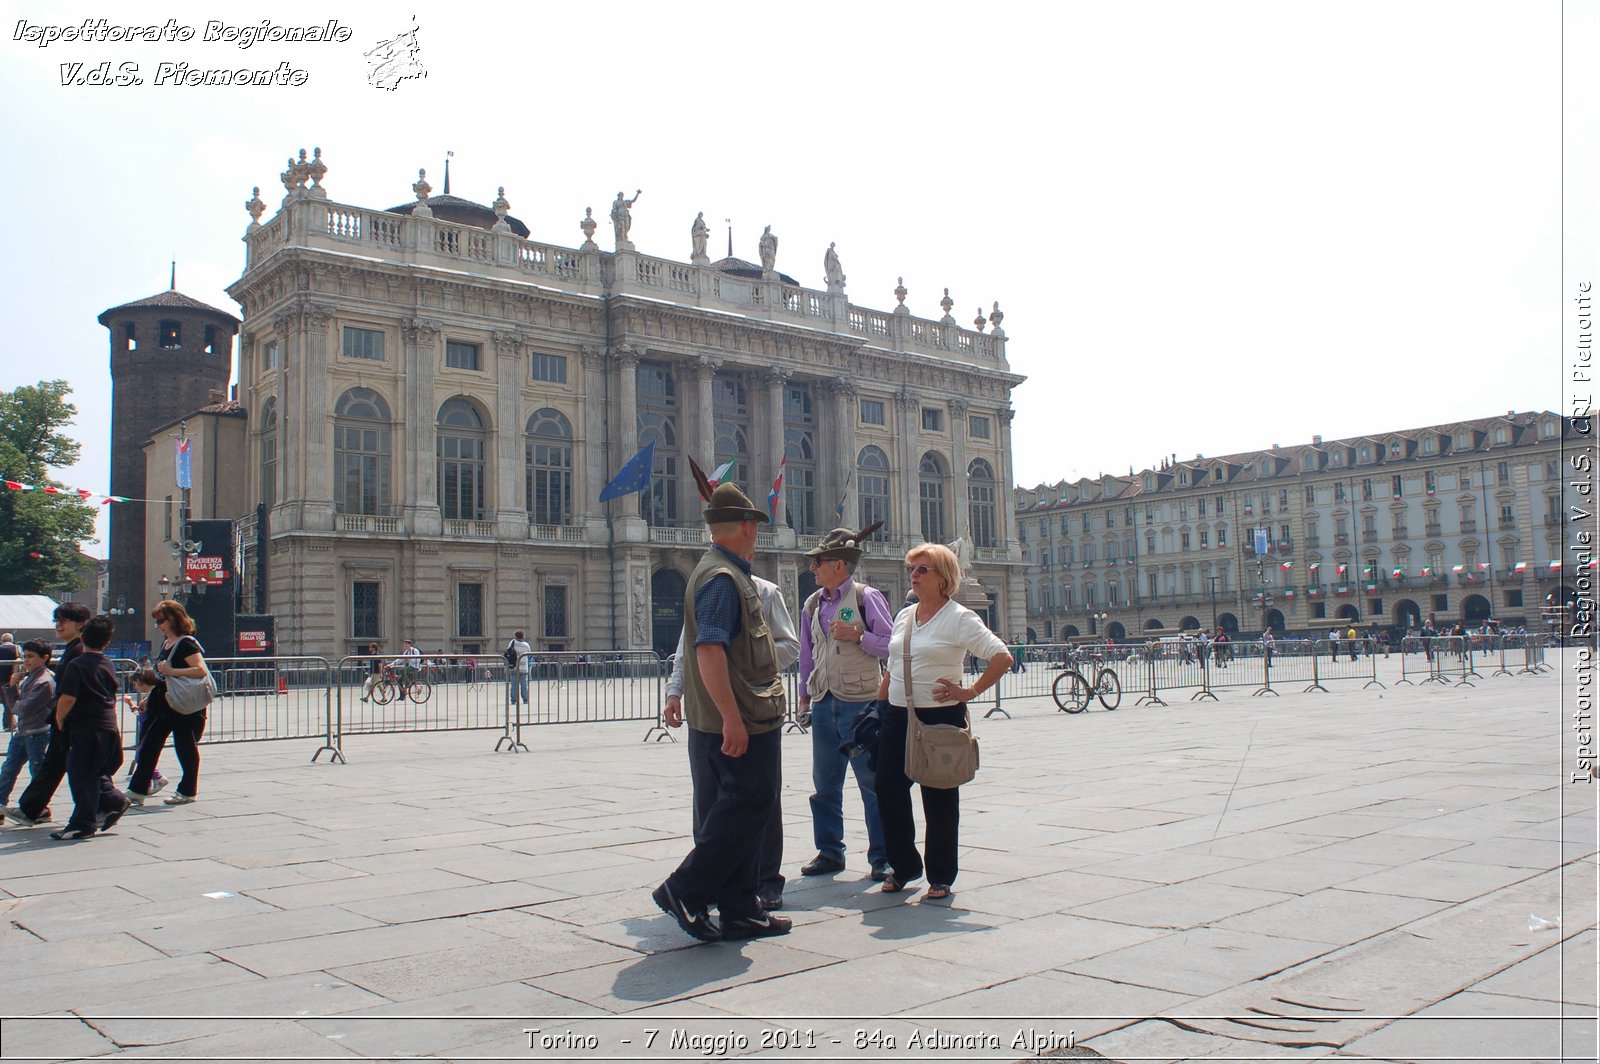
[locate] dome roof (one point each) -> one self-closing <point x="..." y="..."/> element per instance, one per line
<point x="170" y="299"/>
<point x="462" y="212"/>
<point x="740" y="268"/>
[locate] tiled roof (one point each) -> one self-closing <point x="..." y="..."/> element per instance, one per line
<point x="170" y="298"/>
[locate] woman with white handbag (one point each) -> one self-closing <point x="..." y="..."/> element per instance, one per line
<point x="181" y="665"/>
<point x="931" y="638"/>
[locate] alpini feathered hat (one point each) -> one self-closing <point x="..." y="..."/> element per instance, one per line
<point x="725" y="502"/>
<point x="843" y="543"/>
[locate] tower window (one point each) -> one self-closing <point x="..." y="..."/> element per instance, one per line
<point x="130" y="342"/>
<point x="211" y="340"/>
<point x="170" y="336"/>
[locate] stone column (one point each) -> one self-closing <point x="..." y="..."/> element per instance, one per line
<point x="510" y="510"/>
<point x="842" y="446"/>
<point x="958" y="470"/>
<point x="701" y="439"/>
<point x="1007" y="516"/>
<point x="908" y="522"/>
<point x="628" y="525"/>
<point x="314" y="434"/>
<point x="774" y="380"/>
<point x="591" y="472"/>
<point x="413" y="437"/>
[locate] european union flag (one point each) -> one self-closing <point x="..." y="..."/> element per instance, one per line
<point x="633" y="476"/>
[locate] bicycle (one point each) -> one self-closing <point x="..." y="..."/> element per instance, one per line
<point x="402" y="684"/>
<point x="1073" y="692"/>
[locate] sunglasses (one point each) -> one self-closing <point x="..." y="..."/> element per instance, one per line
<point x="917" y="570"/>
<point x="818" y="563"/>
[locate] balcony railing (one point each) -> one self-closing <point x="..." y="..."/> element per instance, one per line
<point x="1468" y="526"/>
<point x="469" y="529"/>
<point x="1401" y="532"/>
<point x="1341" y="539"/>
<point x="369" y="523"/>
<point x="1368" y="535"/>
<point x="1552" y="520"/>
<point x="555" y="533"/>
<point x="1432" y="530"/>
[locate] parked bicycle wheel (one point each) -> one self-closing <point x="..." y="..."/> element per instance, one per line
<point x="383" y="691"/>
<point x="1109" y="688"/>
<point x="419" y="691"/>
<point x="1071" y="692"/>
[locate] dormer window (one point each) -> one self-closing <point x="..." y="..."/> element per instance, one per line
<point x="1394" y="449"/>
<point x="1500" y="435"/>
<point x="1548" y="430"/>
<point x="1429" y="445"/>
<point x="1366" y="454"/>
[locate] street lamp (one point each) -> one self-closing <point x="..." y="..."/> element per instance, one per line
<point x="1099" y="620"/>
<point x="122" y="609"/>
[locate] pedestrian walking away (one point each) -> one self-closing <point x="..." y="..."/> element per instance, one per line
<point x="844" y="641"/>
<point x="519" y="659"/>
<point x="733" y="702"/>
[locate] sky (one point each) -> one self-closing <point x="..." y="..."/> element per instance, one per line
<point x="1212" y="227"/>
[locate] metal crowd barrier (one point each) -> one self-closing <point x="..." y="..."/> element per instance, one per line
<point x="439" y="692"/>
<point x="573" y="688"/>
<point x="258" y="699"/>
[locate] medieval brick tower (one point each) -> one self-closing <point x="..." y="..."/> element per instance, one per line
<point x="168" y="354"/>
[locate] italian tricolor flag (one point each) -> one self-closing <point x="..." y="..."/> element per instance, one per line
<point x="723" y="471"/>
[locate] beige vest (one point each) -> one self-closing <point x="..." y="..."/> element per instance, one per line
<point x="838" y="666"/>
<point x="752" y="659"/>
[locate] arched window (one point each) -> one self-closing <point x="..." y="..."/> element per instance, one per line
<point x="872" y="487"/>
<point x="547" y="468"/>
<point x="800" y="481"/>
<point x="461" y="435"/>
<point x="931" y="474"/>
<point x="980" y="504"/>
<point x="269" y="453"/>
<point x="361" y="453"/>
<point x="659" y="503"/>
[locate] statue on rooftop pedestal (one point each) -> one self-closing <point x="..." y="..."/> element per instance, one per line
<point x="622" y="219"/>
<point x="832" y="270"/>
<point x="769" y="255"/>
<point x="700" y="235"/>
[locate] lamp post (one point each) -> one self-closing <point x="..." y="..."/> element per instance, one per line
<point x="1099" y="621"/>
<point x="122" y="609"/>
<point x="1214" y="580"/>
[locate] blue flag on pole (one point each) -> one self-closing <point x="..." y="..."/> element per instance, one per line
<point x="633" y="476"/>
<point x="184" y="476"/>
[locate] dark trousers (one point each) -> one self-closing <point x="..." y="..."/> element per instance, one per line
<point x="185" y="731"/>
<point x="722" y="867"/>
<point x="42" y="787"/>
<point x="941" y="807"/>
<point x="92" y="756"/>
<point x="769" y="855"/>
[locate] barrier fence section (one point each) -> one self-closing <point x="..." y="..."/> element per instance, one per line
<point x="258" y="699"/>
<point x="574" y="688"/>
<point x="385" y="694"/>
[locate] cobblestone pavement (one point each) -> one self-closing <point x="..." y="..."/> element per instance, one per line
<point x="1403" y="873"/>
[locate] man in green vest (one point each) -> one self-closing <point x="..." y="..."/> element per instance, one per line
<point x="733" y="702"/>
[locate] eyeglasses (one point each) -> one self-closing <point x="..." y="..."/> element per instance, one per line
<point x="917" y="570"/>
<point x="818" y="563"/>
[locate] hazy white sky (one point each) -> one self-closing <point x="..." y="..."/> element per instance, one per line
<point x="1212" y="226"/>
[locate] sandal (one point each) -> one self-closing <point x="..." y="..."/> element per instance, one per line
<point x="938" y="891"/>
<point x="893" y="884"/>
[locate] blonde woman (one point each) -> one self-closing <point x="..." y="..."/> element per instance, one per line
<point x="941" y="632"/>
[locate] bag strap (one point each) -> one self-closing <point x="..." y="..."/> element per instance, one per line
<point x="914" y="727"/>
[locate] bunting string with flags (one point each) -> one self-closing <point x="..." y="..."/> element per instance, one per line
<point x="81" y="494"/>
<point x="777" y="490"/>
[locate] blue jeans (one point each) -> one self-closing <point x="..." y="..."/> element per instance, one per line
<point x="519" y="687"/>
<point x="29" y="748"/>
<point x="833" y="723"/>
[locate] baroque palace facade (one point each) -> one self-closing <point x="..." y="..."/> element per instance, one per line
<point x="435" y="402"/>
<point x="1456" y="523"/>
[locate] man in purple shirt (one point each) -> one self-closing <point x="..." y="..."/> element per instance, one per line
<point x="844" y="641"/>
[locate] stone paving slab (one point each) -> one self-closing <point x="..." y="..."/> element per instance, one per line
<point x="1375" y="851"/>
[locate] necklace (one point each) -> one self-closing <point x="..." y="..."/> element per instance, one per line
<point x="921" y="620"/>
